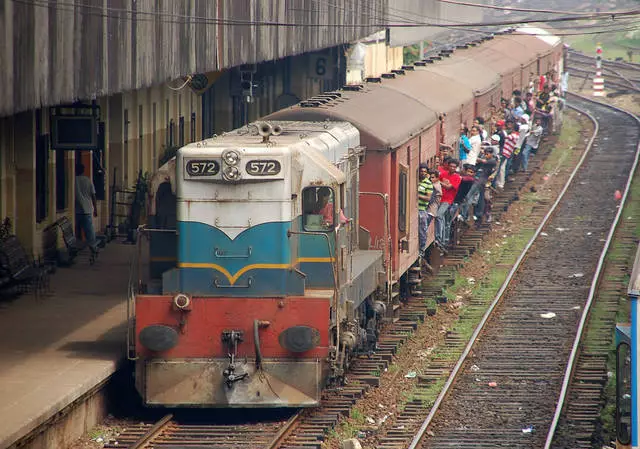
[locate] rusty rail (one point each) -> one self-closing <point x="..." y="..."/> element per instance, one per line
<point x="153" y="432"/>
<point x="284" y="432"/>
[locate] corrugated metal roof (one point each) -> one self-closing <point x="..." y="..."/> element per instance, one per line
<point x="437" y="92"/>
<point x="385" y="117"/>
<point x="389" y="114"/>
<point x="468" y="71"/>
<point x="507" y="53"/>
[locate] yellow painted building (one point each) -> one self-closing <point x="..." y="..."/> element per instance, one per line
<point x="37" y="183"/>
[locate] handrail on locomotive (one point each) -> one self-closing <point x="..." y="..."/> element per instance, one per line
<point x="135" y="284"/>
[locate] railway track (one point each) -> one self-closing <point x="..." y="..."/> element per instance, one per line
<point x="626" y="70"/>
<point x="584" y="67"/>
<point x="167" y="433"/>
<point x="504" y="390"/>
<point x="616" y="82"/>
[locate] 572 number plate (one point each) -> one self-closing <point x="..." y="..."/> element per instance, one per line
<point x="202" y="167"/>
<point x="263" y="167"/>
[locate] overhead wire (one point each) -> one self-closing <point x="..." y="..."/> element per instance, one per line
<point x="544" y="11"/>
<point x="195" y="20"/>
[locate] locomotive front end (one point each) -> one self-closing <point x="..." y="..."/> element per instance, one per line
<point x="234" y="321"/>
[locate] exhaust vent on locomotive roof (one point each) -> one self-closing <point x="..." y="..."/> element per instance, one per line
<point x="276" y="130"/>
<point x="353" y="87"/>
<point x="408" y="68"/>
<point x="388" y="75"/>
<point x="310" y="104"/>
<point x="320" y="99"/>
<point x="398" y="72"/>
<point x="325" y="99"/>
<point x="373" y="79"/>
<point x="333" y="94"/>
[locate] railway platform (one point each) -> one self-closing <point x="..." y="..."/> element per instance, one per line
<point x="62" y="346"/>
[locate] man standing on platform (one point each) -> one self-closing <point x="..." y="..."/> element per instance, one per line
<point x="86" y="207"/>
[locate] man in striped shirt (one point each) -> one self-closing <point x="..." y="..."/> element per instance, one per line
<point x="425" y="189"/>
<point x="507" y="152"/>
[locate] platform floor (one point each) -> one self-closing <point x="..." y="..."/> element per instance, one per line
<point x="56" y="348"/>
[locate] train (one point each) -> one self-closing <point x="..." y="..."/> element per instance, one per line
<point x="275" y="253"/>
<point x="627" y="410"/>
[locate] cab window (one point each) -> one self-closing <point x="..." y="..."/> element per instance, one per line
<point x="318" y="208"/>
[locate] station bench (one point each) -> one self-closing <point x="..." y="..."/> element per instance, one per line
<point x="19" y="270"/>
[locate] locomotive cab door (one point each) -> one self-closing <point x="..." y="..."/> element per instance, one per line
<point x="317" y="245"/>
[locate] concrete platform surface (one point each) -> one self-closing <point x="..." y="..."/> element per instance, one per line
<point x="56" y="348"/>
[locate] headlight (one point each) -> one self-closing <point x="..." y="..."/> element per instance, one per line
<point x="231" y="173"/>
<point x="231" y="157"/>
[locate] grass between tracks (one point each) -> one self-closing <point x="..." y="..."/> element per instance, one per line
<point x="620" y="253"/>
<point x="477" y="283"/>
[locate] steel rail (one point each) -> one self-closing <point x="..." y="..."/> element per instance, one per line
<point x="153" y="432"/>
<point x="452" y="377"/>
<point x="615" y="83"/>
<point x="284" y="432"/>
<point x="596" y="278"/>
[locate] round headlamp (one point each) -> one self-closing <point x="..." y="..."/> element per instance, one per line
<point x="231" y="157"/>
<point x="231" y="173"/>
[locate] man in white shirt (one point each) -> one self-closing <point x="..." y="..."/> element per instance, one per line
<point x="86" y="207"/>
<point x="532" y="143"/>
<point x="476" y="143"/>
<point x="523" y="130"/>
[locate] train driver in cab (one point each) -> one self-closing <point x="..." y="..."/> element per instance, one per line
<point x="325" y="207"/>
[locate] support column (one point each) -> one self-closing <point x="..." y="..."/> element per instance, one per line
<point x="24" y="147"/>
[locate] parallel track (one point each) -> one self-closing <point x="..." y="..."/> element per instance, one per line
<point x="627" y="70"/>
<point x="583" y="66"/>
<point x="524" y="353"/>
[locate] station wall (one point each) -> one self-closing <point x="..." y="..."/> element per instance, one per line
<point x="37" y="183"/>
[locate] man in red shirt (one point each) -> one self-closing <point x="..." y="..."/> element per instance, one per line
<point x="450" y="182"/>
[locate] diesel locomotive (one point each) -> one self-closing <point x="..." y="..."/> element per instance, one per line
<point x="277" y="251"/>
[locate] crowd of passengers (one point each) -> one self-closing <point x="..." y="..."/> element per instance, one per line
<point x="486" y="157"/>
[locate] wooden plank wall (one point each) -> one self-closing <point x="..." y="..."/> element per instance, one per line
<point x="56" y="51"/>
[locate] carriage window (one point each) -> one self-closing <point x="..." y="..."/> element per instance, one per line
<point x="318" y="210"/>
<point x="402" y="201"/>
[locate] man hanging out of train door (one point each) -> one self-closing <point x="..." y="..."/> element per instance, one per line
<point x="425" y="190"/>
<point x="450" y="181"/>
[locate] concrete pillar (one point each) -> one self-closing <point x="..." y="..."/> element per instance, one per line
<point x="103" y="206"/>
<point x="25" y="162"/>
<point x="4" y="151"/>
<point x="115" y="147"/>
